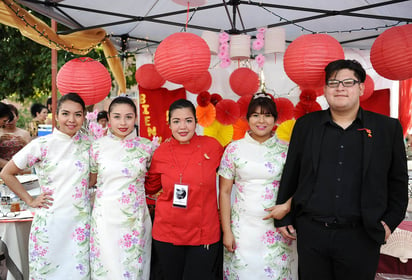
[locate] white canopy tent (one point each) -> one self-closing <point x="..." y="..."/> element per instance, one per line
<point x="138" y="26"/>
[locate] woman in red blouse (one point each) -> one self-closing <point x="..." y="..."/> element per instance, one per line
<point x="186" y="227"/>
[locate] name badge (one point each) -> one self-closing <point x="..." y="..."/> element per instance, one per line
<point x="180" y="195"/>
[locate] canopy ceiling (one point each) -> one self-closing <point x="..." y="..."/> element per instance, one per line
<point x="135" y="25"/>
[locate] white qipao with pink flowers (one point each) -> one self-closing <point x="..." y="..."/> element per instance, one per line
<point x="121" y="226"/>
<point x="261" y="251"/>
<point x="59" y="235"/>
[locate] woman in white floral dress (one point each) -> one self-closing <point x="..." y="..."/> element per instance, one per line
<point x="253" y="247"/>
<point x="121" y="224"/>
<point x="59" y="235"/>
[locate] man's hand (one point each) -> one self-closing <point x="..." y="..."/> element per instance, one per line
<point x="288" y="232"/>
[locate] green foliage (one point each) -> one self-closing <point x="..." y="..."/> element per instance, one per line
<point x="25" y="71"/>
<point x="26" y="66"/>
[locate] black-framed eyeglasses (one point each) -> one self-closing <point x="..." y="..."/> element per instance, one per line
<point x="345" y="83"/>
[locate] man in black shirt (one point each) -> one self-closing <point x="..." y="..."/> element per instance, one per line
<point x="346" y="170"/>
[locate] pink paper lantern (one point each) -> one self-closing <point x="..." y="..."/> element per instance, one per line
<point x="148" y="77"/>
<point x="244" y="81"/>
<point x="190" y="3"/>
<point x="86" y="77"/>
<point x="391" y="53"/>
<point x="200" y="84"/>
<point x="182" y="57"/>
<point x="307" y="56"/>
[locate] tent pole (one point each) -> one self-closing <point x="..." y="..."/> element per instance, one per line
<point x="54" y="76"/>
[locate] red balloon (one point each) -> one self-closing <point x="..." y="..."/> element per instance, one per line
<point x="86" y="77"/>
<point x="244" y="81"/>
<point x="391" y="53"/>
<point x="148" y="77"/>
<point x="307" y="56"/>
<point x="369" y="88"/>
<point x="200" y="84"/>
<point x="182" y="57"/>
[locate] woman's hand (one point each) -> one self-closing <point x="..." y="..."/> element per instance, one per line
<point x="229" y="241"/>
<point x="44" y="200"/>
<point x="277" y="212"/>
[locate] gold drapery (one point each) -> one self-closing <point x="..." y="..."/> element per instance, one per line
<point x="80" y="42"/>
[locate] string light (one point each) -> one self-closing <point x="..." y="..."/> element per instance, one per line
<point x="16" y="10"/>
<point x="302" y="28"/>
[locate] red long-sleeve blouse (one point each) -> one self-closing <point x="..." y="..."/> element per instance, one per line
<point x="196" y="163"/>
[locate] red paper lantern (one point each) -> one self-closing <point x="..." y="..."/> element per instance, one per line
<point x="182" y="57"/>
<point x="148" y="77"/>
<point x="200" y="84"/>
<point x="244" y="81"/>
<point x="86" y="77"/>
<point x="227" y="111"/>
<point x="369" y="88"/>
<point x="285" y="109"/>
<point x="391" y="53"/>
<point x="307" y="56"/>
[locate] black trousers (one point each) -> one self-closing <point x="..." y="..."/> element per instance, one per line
<point x="187" y="262"/>
<point x="339" y="253"/>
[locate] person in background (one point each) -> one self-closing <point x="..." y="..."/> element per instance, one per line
<point x="121" y="224"/>
<point x="6" y="114"/>
<point x="12" y="138"/>
<point x="346" y="171"/>
<point x="254" y="164"/>
<point x="103" y="119"/>
<point x="186" y="226"/>
<point x="59" y="235"/>
<point x="49" y="119"/>
<point x="39" y="114"/>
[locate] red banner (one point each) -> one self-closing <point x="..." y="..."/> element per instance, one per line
<point x="154" y="109"/>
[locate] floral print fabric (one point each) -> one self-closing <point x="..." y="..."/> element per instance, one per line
<point x="261" y="251"/>
<point x="59" y="235"/>
<point x="121" y="225"/>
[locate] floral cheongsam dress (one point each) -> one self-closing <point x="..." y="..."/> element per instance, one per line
<point x="261" y="251"/>
<point x="59" y="235"/>
<point x="121" y="226"/>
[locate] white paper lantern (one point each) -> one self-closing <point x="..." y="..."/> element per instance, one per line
<point x="212" y="40"/>
<point x="191" y="3"/>
<point x="240" y="47"/>
<point x="275" y="40"/>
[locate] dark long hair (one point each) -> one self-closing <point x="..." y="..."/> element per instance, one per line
<point x="264" y="102"/>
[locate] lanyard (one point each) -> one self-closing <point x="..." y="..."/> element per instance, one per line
<point x="181" y="171"/>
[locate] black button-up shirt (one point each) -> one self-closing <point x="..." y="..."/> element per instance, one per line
<point x="337" y="191"/>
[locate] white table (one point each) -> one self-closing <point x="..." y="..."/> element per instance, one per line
<point x="14" y="245"/>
